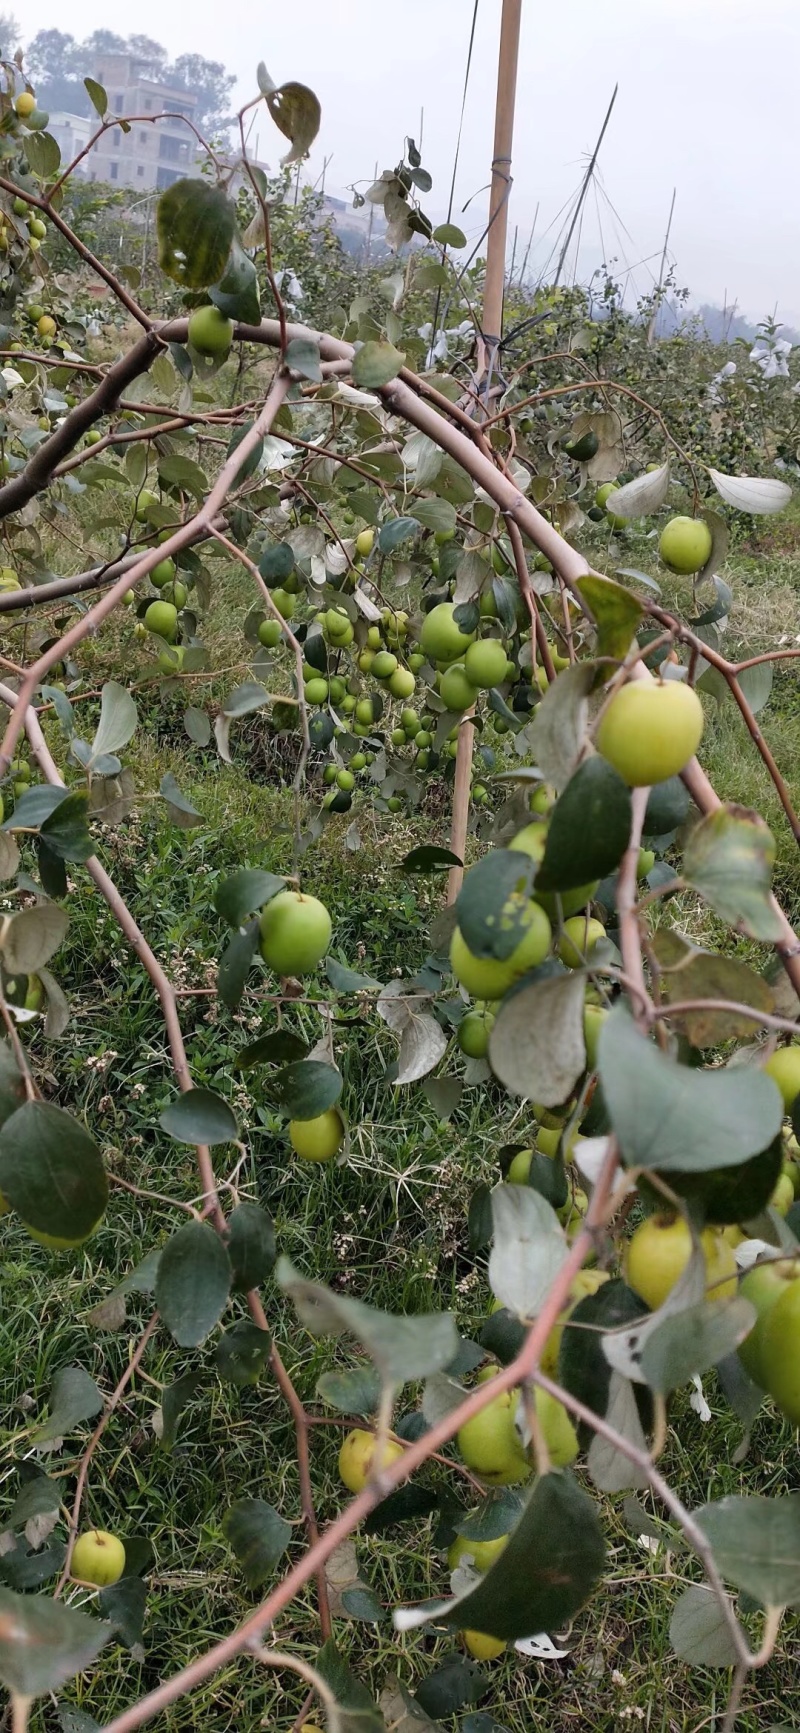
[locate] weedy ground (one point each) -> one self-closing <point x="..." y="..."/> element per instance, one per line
<point x="389" y="1226"/>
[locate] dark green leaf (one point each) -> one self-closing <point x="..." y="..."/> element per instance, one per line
<point x="26" y="1569"/>
<point x="362" y="1603"/>
<point x="197" y="725"/>
<point x="345" y="980"/>
<point x="97" y="96"/>
<point x="37" y="1497"/>
<point x="199" y="1116"/>
<point x="66" y="831"/>
<point x="503" y="1335"/>
<point x="196" y="222"/>
<point x="302" y="356"/>
<point x="582" y="1366"/>
<point x="241" y="1354"/>
<point x="234" y="965"/>
<point x="756" y="1544"/>
<point x="43" y="154"/>
<point x="32" y="936"/>
<point x="497" y="1515"/>
<point x="51" y="1171"/>
<point x="249" y="464"/>
<point x="482" y="899"/>
<point x="174" y="1399"/>
<point x="546" y="1573"/>
<point x="182" y="473"/>
<point x="12" y="1087"/>
<point x="357" y="1712"/>
<point x="479" y="1219"/>
<point x="244" y="699"/>
<point x="258" y="1536"/>
<point x="193" y="1283"/>
<point x="251" y="1245"/>
<point x="429" y="857"/>
<point x="43" y="1642"/>
<point x="273" y="1049"/>
<point x="408" y="1504"/>
<point x="238" y="897"/>
<point x="73" y="1398"/>
<point x="667" y="807"/>
<point x="35" y="806"/>
<point x="296" y="111"/>
<point x="699" y="1631"/>
<point x="236" y="293"/>
<point x="588" y="830"/>
<point x="726" y="1194"/>
<point x="617" y="612"/>
<point x="728" y="858"/>
<point x="688" y="973"/>
<point x="395" y="532"/>
<point x="450" y="1687"/>
<point x="401" y="1347"/>
<point x="435" y="514"/>
<point x="675" y="1119"/>
<point x="355" y="1392"/>
<point x="123" y="1604"/>
<point x="307" y="1088"/>
<point x="276" y="563"/>
<point x="181" y="810"/>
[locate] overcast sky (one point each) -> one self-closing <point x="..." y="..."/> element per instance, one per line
<point x="708" y="102"/>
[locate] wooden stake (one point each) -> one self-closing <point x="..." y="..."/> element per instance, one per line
<point x="494" y="286"/>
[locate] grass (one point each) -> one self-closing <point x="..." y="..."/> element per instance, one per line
<point x="389" y="1226"/>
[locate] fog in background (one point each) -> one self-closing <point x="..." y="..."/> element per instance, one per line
<point x="708" y="103"/>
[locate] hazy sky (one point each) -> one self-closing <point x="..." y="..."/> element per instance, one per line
<point x="708" y="102"/>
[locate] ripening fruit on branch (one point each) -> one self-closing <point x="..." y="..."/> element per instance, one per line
<point x="97" y="1558"/>
<point x="24" y="104"/>
<point x="491" y="977"/>
<point x="365" y="541"/>
<point x="269" y="633"/>
<point x="318" y="1139"/>
<point x="481" y="1647"/>
<point x="162" y="619"/>
<point x="491" y="1445"/>
<point x="473" y="1033"/>
<point x="685" y="544"/>
<point x="295" y="933"/>
<point x="456" y="689"/>
<point x="579" y="939"/>
<point x="482" y="1553"/>
<point x="783" y="1067"/>
<point x="659" y="1250"/>
<point x="780" y="1351"/>
<point x="485" y="663"/>
<point x="650" y="730"/>
<point x="163" y="573"/>
<point x="357" y="1458"/>
<point x="763" y="1286"/>
<point x="210" y="332"/>
<point x="441" y="637"/>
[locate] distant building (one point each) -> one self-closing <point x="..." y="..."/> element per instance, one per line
<point x="71" y="133"/>
<point x="148" y="157"/>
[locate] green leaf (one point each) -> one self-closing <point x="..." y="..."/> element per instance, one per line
<point x="727" y="1194"/>
<point x="618" y="613"/>
<point x="73" y="1398"/>
<point x="197" y="725"/>
<point x="195" y="223"/>
<point x="26" y="1569"/>
<point x="123" y="1604"/>
<point x="408" y="1504"/>
<point x="589" y="828"/>
<point x="582" y="1366"/>
<point x="39" y="1496"/>
<point x="34" y="806"/>
<point x="32" y="936"/>
<point x="43" y="154"/>
<point x="435" y="514"/>
<point x="546" y="1573"/>
<point x="687" y="973"/>
<point x="529" y="1249"/>
<point x="558" y="729"/>
<point x="699" y="1632"/>
<point x="273" y="1049"/>
<point x="356" y="1711"/>
<point x="12" y="1086"/>
<point x="497" y="1515"/>
<point x="182" y="473"/>
<point x="482" y="899"/>
<point x="236" y="294"/>
<point x="344" y="980"/>
<point x="193" y="1283"/>
<point x="401" y="1348"/>
<point x="240" y="896"/>
<point x="308" y="1087"/>
<point x="66" y="831"/>
<point x="302" y="356"/>
<point x="251" y="1245"/>
<point x="375" y="364"/>
<point x="199" y="1116"/>
<point x="756" y="1545"/>
<point x="234" y="965"/>
<point x="728" y="858"/>
<point x="297" y="114"/>
<point x="180" y="808"/>
<point x="362" y="1603"/>
<point x="675" y="1119"/>
<point x="241" y="1354"/>
<point x="246" y="698"/>
<point x="398" y="530"/>
<point x="694" y="1340"/>
<point x="355" y="1392"/>
<point x="118" y="718"/>
<point x="536" y="1045"/>
<point x="276" y="563"/>
<point x="43" y="1642"/>
<point x="51" y="1171"/>
<point x="258" y="1535"/>
<point x="448" y="235"/>
<point x="97" y="96"/>
<point x="72" y="1720"/>
<point x="174" y="1398"/>
<point x="427" y="858"/>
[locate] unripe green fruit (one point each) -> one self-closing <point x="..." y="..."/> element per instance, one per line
<point x="145" y="500"/>
<point x="284" y="602"/>
<point x="37" y="228"/>
<point x="578" y="940"/>
<point x="365" y="541"/>
<point x="481" y="1553"/>
<point x="398" y="737"/>
<point x="763" y="1286"/>
<point x="456" y="690"/>
<point x="384" y="663"/>
<point x="374" y="638"/>
<point x="295" y="933"/>
<point x="784" y="1069"/>
<point x="486" y="662"/>
<point x="441" y="638"/>
<point x="365" y="712"/>
<point x="316" y="690"/>
<point x="162" y="618"/>
<point x="176" y="593"/>
<point x="491" y="977"/>
<point x="210" y="333"/>
<point x="345" y="779"/>
<point x="171" y="661"/>
<point x="394" y="803"/>
<point x="685" y="544"/>
<point x="473" y="1033"/>
<point x="366" y="660"/>
<point x="594" y="1016"/>
<point x="329" y="775"/>
<point x="163" y="573"/>
<point x="402" y="683"/>
<point x="659" y="1250"/>
<point x="318" y="1139"/>
<point x="650" y="730"/>
<point x="269" y="633"/>
<point x="358" y="761"/>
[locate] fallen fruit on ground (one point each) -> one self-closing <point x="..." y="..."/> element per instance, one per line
<point x="98" y="1558"/>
